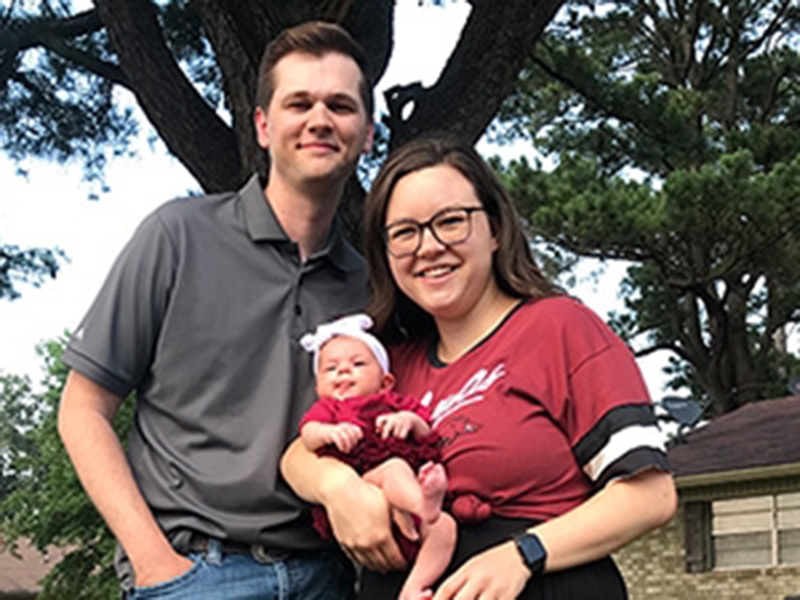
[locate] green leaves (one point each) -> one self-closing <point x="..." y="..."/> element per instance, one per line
<point x="48" y="107"/>
<point x="42" y="499"/>
<point x="577" y="207"/>
<point x="714" y="249"/>
<point x="25" y="266"/>
<point x="675" y="130"/>
<point x="656" y="87"/>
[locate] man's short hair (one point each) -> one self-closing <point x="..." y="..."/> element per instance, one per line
<point x="316" y="38"/>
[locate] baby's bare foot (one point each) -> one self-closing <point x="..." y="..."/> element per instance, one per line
<point x="422" y="595"/>
<point x="433" y="481"/>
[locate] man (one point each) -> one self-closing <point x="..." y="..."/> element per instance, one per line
<point x="201" y="317"/>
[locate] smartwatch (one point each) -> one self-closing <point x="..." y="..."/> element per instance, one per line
<point x="533" y="553"/>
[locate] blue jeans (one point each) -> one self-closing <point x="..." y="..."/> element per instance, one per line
<point x="323" y="575"/>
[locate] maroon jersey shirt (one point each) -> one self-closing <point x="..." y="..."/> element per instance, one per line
<point x="540" y="414"/>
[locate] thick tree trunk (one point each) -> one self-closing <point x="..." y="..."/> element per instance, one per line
<point x="729" y="374"/>
<point x="746" y="383"/>
<point x="237" y="40"/>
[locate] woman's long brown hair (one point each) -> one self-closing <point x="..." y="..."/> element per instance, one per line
<point x="396" y="316"/>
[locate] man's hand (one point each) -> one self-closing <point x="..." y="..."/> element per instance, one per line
<point x="160" y="571"/>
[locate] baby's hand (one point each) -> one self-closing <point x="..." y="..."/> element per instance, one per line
<point x="345" y="436"/>
<point x="398" y="424"/>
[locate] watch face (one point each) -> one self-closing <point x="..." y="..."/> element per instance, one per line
<point x="533" y="552"/>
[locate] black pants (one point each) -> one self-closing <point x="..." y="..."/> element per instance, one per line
<point x="599" y="580"/>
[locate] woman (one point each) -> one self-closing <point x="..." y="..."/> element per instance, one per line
<point x="553" y="456"/>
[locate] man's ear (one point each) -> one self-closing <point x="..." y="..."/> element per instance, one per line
<point x="370" y="139"/>
<point x="387" y="382"/>
<point x="261" y="124"/>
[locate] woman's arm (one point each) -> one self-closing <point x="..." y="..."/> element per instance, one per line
<point x="618" y="514"/>
<point x="358" y="512"/>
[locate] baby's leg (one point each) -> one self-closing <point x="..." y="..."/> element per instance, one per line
<point x="403" y="489"/>
<point x="435" y="552"/>
<point x="399" y="484"/>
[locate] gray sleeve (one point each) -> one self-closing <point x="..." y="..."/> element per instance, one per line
<point x="114" y="343"/>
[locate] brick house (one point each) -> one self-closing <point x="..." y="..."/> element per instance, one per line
<point x="737" y="532"/>
<point x="20" y="575"/>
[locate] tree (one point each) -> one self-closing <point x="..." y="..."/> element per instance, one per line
<point x="191" y="66"/>
<point x="30" y="265"/>
<point x="42" y="499"/>
<point x="16" y="418"/>
<point x="676" y="129"/>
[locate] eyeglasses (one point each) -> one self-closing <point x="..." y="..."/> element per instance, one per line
<point x="450" y="226"/>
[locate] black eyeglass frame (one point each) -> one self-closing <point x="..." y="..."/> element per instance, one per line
<point x="422" y="226"/>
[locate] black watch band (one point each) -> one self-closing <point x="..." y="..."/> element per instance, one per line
<point x="533" y="553"/>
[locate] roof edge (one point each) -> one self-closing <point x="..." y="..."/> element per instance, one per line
<point x="736" y="475"/>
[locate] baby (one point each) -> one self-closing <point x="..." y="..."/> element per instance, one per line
<point x="385" y="436"/>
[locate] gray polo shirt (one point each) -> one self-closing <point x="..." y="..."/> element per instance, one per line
<point x="201" y="315"/>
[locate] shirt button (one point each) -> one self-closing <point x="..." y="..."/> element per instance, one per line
<point x="298" y="310"/>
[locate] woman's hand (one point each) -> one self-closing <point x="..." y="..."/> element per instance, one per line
<point x="495" y="574"/>
<point x="358" y="511"/>
<point x="619" y="513"/>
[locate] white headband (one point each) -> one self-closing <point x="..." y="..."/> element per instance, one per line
<point x="351" y="326"/>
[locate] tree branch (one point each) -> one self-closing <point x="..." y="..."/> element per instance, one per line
<point x="19" y="35"/>
<point x="594" y="99"/>
<point x="481" y="72"/>
<point x="774" y="26"/>
<point x="25" y="34"/>
<point x="91" y="63"/>
<point x="167" y="97"/>
<point x="660" y="347"/>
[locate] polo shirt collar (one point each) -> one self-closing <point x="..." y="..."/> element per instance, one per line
<point x="259" y="219"/>
<point x="263" y="225"/>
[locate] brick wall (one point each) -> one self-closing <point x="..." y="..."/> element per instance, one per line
<point x="653" y="568"/>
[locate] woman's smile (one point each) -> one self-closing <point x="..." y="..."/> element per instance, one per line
<point x="438" y="271"/>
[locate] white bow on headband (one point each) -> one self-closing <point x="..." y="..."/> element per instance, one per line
<point x="355" y="326"/>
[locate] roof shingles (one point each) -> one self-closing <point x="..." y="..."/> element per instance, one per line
<point x="759" y="434"/>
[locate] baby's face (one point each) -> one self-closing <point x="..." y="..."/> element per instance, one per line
<point x="347" y="367"/>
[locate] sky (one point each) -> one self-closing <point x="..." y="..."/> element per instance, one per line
<point x="51" y="208"/>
